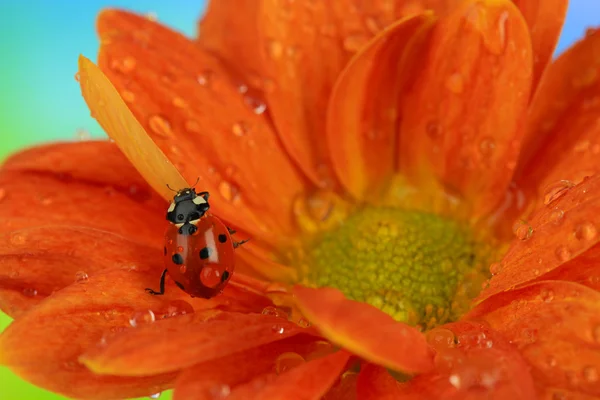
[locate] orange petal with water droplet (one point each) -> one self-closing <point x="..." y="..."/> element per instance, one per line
<point x="462" y="116"/>
<point x="556" y="327"/>
<point x="563" y="134"/>
<point x="219" y="376"/>
<point x="545" y="19"/>
<point x="562" y="230"/>
<point x="190" y="104"/>
<point x="157" y="348"/>
<point x="479" y="364"/>
<point x="44" y="344"/>
<point x="376" y="383"/>
<point x="361" y="118"/>
<point x="118" y="122"/>
<point x="364" y="330"/>
<point x="308" y="381"/>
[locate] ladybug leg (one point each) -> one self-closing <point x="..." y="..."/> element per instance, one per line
<point x="238" y="244"/>
<point x="162" y="285"/>
<point x="231" y="231"/>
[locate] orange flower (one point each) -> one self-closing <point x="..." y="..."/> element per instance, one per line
<point x="376" y="154"/>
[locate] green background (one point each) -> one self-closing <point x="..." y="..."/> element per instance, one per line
<point x="40" y="100"/>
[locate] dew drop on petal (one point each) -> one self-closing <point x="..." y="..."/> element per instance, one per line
<point x="178" y="307"/>
<point x="563" y="253"/>
<point x="440" y="338"/>
<point x="220" y="391"/>
<point x="257" y="105"/>
<point x="274" y="311"/>
<point x="487" y="145"/>
<point x="274" y="49"/>
<point x="239" y="128"/>
<point x="17" y="239"/>
<point x="590" y="374"/>
<point x="155" y="395"/>
<point x="30" y="292"/>
<point x="229" y="191"/>
<point x="455" y="83"/>
<point x="81" y="276"/>
<point x="495" y="268"/>
<point x="128" y="96"/>
<point x="287" y="361"/>
<point x="556" y="216"/>
<point x="141" y="317"/>
<point x="278" y="329"/>
<point x="556" y="190"/>
<point x="547" y="295"/>
<point x="82" y="134"/>
<point x="524" y="232"/>
<point x="205" y="78"/>
<point x="455" y="381"/>
<point x="586" y="231"/>
<point x="179" y="102"/>
<point x="160" y="126"/>
<point x="128" y="64"/>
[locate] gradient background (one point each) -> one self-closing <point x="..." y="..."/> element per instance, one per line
<point x="40" y="99"/>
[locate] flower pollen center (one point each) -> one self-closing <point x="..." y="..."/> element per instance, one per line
<point x="420" y="268"/>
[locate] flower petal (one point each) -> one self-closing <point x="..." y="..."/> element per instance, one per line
<point x="204" y="381"/>
<point x="558" y="232"/>
<point x="463" y="113"/>
<point x="112" y="114"/>
<point x="36" y="262"/>
<point x="44" y="344"/>
<point x="472" y="363"/>
<point x="563" y="130"/>
<point x="545" y="19"/>
<point x="156" y="348"/>
<point x="309" y="381"/>
<point x="556" y="327"/>
<point x="313" y="43"/>
<point x="361" y="130"/>
<point x="376" y="383"/>
<point x="68" y="184"/>
<point x="191" y="106"/>
<point x="364" y="330"/>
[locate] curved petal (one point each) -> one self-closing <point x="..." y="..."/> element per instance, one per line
<point x="364" y="330"/>
<point x="462" y="117"/>
<point x="255" y="261"/>
<point x="376" y="383"/>
<point x="556" y="327"/>
<point x="156" y="348"/>
<point x="112" y="114"/>
<point x="558" y="232"/>
<point x="563" y="131"/>
<point x="43" y="346"/>
<point x="309" y="381"/>
<point x="472" y="363"/>
<point x="38" y="261"/>
<point x="345" y="388"/>
<point x="545" y="19"/>
<point x="361" y="129"/>
<point x="192" y="109"/>
<point x="69" y="184"/>
<point x="312" y="43"/>
<point x="205" y="380"/>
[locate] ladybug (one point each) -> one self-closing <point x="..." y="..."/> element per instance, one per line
<point x="199" y="249"/>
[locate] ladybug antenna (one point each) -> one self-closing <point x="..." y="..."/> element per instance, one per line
<point x="197" y="180"/>
<point x="171" y="189"/>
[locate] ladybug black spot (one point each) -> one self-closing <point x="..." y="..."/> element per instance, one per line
<point x="205" y="253"/>
<point x="165" y="251"/>
<point x="180" y="217"/>
<point x="192" y="229"/>
<point x="222" y="238"/>
<point x="225" y="276"/>
<point x="177" y="259"/>
<point x="179" y="285"/>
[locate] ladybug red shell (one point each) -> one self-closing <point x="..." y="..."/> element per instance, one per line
<point x="199" y="249"/>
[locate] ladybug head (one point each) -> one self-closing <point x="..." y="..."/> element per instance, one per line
<point x="187" y="206"/>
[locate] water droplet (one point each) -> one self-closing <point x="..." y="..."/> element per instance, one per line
<point x="556" y="216"/>
<point x="220" y="391"/>
<point x="433" y="130"/>
<point x="240" y="128"/>
<point x="303" y="323"/>
<point x="586" y="231"/>
<point x="82" y="134"/>
<point x="183" y="269"/>
<point x="160" y="126"/>
<point x="128" y="96"/>
<point x="355" y="42"/>
<point x="278" y="329"/>
<point x="502" y="20"/>
<point x="81" y="276"/>
<point x="455" y="380"/>
<point x="141" y="317"/>
<point x="455" y="83"/>
<point x="495" y="268"/>
<point x="274" y="311"/>
<point x="288" y="361"/>
<point x="179" y="102"/>
<point x="77" y="77"/>
<point x="257" y="105"/>
<point x="209" y="276"/>
<point x="128" y="64"/>
<point x="547" y="295"/>
<point x="440" y="338"/>
<point x="590" y="374"/>
<point x="524" y="232"/>
<point x="17" y="239"/>
<point x="556" y="190"/>
<point x="205" y="78"/>
<point x="274" y="49"/>
<point x="152" y="16"/>
<point x="563" y="253"/>
<point x="30" y="292"/>
<point x="229" y="191"/>
<point x="155" y="395"/>
<point x="178" y="307"/>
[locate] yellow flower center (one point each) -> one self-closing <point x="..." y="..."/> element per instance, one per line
<point x="420" y="268"/>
